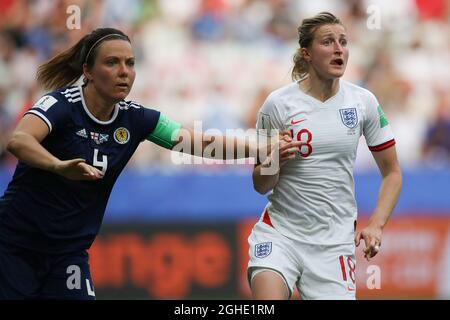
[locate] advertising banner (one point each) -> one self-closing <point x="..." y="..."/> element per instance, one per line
<point x="209" y="261"/>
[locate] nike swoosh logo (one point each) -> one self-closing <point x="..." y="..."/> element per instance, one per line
<point x="297" y="122"/>
<point x="350" y="288"/>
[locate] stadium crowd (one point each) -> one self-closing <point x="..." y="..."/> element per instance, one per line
<point x="216" y="61"/>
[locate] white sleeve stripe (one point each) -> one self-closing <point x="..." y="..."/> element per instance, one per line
<point x="74" y="89"/>
<point x="40" y="115"/>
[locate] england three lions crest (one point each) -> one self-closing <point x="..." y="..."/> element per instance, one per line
<point x="262" y="250"/>
<point x="349" y="117"/>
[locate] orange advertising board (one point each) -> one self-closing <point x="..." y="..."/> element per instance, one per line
<point x="209" y="261"/>
<point x="161" y="265"/>
<point x="414" y="260"/>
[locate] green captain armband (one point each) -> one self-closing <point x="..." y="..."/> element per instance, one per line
<point x="164" y="131"/>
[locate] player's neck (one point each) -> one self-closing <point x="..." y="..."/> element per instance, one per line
<point x="97" y="106"/>
<point x="320" y="89"/>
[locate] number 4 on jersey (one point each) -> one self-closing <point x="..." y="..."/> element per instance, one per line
<point x="103" y="164"/>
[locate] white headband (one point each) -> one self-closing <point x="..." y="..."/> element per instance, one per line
<point x="100" y="40"/>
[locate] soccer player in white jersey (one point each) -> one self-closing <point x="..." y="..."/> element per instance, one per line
<point x="306" y="236"/>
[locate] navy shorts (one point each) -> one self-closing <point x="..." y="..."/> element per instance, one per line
<point x="26" y="274"/>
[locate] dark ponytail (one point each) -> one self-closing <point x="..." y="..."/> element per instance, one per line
<point x="67" y="67"/>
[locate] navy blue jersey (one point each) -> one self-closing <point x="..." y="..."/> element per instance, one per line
<point x="46" y="212"/>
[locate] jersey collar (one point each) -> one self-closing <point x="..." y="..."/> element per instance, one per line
<point x="317" y="101"/>
<point x="116" y="110"/>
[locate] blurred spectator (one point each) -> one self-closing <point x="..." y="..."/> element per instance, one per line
<point x="209" y="24"/>
<point x="432" y="9"/>
<point x="259" y="99"/>
<point x="436" y="147"/>
<point x="5" y="124"/>
<point x="283" y="25"/>
<point x="218" y="111"/>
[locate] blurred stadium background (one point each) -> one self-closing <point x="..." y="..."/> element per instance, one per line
<point x="181" y="231"/>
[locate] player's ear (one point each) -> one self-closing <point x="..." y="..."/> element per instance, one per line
<point x="304" y="53"/>
<point x="86" y="72"/>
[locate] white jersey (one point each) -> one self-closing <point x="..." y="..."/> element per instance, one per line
<point x="314" y="199"/>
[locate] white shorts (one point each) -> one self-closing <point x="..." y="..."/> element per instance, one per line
<point x="318" y="271"/>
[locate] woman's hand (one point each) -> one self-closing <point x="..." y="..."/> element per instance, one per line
<point x="77" y="169"/>
<point x="372" y="239"/>
<point x="284" y="148"/>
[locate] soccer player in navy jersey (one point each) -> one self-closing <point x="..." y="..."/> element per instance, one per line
<point x="72" y="145"/>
